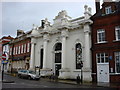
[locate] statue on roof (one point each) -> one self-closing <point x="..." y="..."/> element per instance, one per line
<point x="62" y="14"/>
<point x="46" y="24"/>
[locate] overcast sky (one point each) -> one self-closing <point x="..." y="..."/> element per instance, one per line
<point x="22" y="15"/>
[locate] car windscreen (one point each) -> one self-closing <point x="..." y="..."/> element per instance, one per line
<point x="32" y="72"/>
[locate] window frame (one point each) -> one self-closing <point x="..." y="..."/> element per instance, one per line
<point x="22" y="48"/>
<point x="19" y="49"/>
<point x="118" y="52"/>
<point x="16" y="50"/>
<point x="25" y="48"/>
<point x="108" y="10"/>
<point x="100" y="58"/>
<point x="117" y="36"/>
<point x="28" y="47"/>
<point x="58" y="52"/>
<point x="76" y="55"/>
<point x="10" y="50"/>
<point x="101" y="39"/>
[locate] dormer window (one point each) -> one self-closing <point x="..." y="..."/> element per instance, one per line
<point x="108" y="10"/>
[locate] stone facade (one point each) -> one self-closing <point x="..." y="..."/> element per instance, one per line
<point x="54" y="47"/>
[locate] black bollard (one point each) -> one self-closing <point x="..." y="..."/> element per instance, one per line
<point x="78" y="79"/>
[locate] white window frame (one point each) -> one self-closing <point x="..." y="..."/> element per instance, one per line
<point x="10" y="51"/>
<point x="117" y="35"/>
<point x="105" y="55"/>
<point x="19" y="49"/>
<point x="16" y="49"/>
<point x="100" y="31"/>
<point x="28" y="47"/>
<point x="25" y="48"/>
<point x="22" y="48"/>
<point x="108" y="10"/>
<point x="116" y="53"/>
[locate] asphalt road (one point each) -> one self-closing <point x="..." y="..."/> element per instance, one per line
<point x="42" y="84"/>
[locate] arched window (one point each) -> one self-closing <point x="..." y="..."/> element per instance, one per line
<point x="58" y="48"/>
<point x="78" y="55"/>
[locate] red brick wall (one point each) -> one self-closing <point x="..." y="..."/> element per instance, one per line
<point x="108" y="23"/>
<point x="20" y="43"/>
<point x="0" y="50"/>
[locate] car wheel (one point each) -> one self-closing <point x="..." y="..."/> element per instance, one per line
<point x="19" y="76"/>
<point x="37" y="79"/>
<point x="29" y="77"/>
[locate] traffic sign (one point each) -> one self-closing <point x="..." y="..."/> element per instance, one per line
<point x="3" y="56"/>
<point x="4" y="61"/>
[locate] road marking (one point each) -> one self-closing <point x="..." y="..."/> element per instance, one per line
<point x="45" y="86"/>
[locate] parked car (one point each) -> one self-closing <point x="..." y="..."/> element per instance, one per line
<point x="28" y="74"/>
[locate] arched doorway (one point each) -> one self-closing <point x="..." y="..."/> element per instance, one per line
<point x="58" y="54"/>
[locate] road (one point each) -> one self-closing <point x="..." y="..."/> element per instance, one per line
<point x="41" y="84"/>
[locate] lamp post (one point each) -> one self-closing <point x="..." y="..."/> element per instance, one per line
<point x="81" y="65"/>
<point x="3" y="62"/>
<point x="39" y="70"/>
<point x="36" y="68"/>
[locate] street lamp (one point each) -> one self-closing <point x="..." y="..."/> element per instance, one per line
<point x="37" y="67"/>
<point x="81" y="66"/>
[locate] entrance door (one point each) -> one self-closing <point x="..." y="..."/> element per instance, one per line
<point x="57" y="68"/>
<point x="58" y="49"/>
<point x="103" y="72"/>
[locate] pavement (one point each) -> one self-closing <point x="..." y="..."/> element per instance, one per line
<point x="111" y="85"/>
<point x="73" y="82"/>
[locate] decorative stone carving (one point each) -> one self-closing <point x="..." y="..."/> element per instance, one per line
<point x="62" y="14"/>
<point x="34" y="27"/>
<point x="46" y="37"/>
<point x="61" y="19"/>
<point x="64" y="33"/>
<point x="87" y="12"/>
<point x="46" y="24"/>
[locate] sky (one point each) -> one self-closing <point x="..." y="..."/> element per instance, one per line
<point x="23" y="14"/>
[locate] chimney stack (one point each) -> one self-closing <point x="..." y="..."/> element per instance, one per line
<point x="42" y="23"/>
<point x="97" y="3"/>
<point x="19" y="32"/>
<point x="107" y="1"/>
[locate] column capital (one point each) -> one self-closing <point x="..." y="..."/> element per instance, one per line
<point x="64" y="33"/>
<point x="87" y="29"/>
<point x="46" y="37"/>
<point x="33" y="41"/>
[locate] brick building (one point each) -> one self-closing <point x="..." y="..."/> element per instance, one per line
<point x="0" y="49"/>
<point x="106" y="42"/>
<point x="4" y="48"/>
<point x="20" y="51"/>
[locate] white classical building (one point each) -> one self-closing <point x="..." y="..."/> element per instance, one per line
<point x="61" y="47"/>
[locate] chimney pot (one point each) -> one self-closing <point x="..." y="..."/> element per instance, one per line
<point x="97" y="3"/>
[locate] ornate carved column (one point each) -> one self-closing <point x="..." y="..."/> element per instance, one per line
<point x="87" y="60"/>
<point x="87" y="23"/>
<point x="87" y="44"/>
<point x="45" y="38"/>
<point x="32" y="58"/>
<point x="64" y="36"/>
